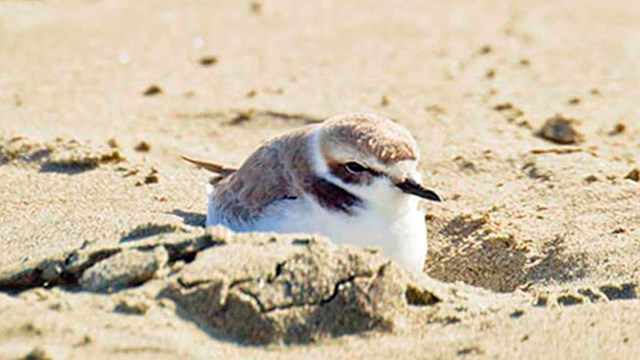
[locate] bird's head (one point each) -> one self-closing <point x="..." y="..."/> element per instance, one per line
<point x="371" y="157"/>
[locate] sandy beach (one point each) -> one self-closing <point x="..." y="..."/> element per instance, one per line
<point x="527" y="119"/>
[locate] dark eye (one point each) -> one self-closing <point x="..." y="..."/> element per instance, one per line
<point x="355" y="168"/>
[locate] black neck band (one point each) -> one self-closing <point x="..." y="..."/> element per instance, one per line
<point x="332" y="196"/>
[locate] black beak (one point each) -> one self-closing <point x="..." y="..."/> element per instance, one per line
<point x="410" y="186"/>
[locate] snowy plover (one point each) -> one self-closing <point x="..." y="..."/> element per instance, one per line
<point x="352" y="178"/>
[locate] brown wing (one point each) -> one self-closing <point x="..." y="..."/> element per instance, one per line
<point x="267" y="176"/>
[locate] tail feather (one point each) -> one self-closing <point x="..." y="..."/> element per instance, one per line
<point x="214" y="168"/>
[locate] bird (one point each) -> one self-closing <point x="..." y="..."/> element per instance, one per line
<point x="352" y="178"/>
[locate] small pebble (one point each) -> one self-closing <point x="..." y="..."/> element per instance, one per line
<point x="153" y="90"/>
<point x="561" y="130"/>
<point x="619" y="128"/>
<point x="574" y="101"/>
<point x="208" y="60"/>
<point x="142" y="146"/>
<point x="634" y="175"/>
<point x="486" y="49"/>
<point x="524" y="62"/>
<point x="152" y="178"/>
<point x="591" y="179"/>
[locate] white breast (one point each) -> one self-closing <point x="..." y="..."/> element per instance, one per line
<point x="401" y="235"/>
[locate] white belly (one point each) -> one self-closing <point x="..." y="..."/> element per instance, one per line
<point x="402" y="236"/>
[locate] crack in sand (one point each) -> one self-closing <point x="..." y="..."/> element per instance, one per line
<point x="236" y="284"/>
<point x="338" y="286"/>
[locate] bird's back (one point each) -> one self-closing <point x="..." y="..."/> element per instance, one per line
<point x="269" y="176"/>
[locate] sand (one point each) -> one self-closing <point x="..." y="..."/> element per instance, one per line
<point x="525" y="114"/>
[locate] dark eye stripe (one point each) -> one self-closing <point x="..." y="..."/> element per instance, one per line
<point x="340" y="171"/>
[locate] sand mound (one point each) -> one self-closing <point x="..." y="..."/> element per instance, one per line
<point x="65" y="156"/>
<point x="293" y="292"/>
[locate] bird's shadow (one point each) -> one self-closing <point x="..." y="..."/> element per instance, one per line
<point x="191" y="218"/>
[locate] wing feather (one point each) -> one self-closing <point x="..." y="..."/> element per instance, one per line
<point x="269" y="175"/>
<point x="213" y="167"/>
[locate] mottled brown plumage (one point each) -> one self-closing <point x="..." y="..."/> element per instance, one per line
<point x="270" y="174"/>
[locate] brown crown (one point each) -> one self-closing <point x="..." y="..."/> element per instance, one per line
<point x="371" y="134"/>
